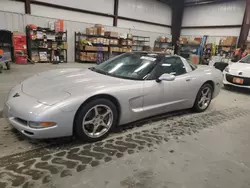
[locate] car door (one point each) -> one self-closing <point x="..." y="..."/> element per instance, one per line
<point x="167" y="95"/>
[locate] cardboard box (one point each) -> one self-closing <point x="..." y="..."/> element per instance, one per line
<point x="146" y="48"/>
<point x="113" y="41"/>
<point x="231" y="40"/>
<point x="195" y="59"/>
<point x="130" y="36"/>
<point x="95" y="31"/>
<point x="105" y="41"/>
<point x="162" y="39"/>
<point x="114" y="49"/>
<point x="129" y="42"/>
<point x="105" y="49"/>
<point x="194" y="42"/>
<point x="183" y="40"/>
<point x="65" y="45"/>
<point x="100" y="29"/>
<point x="111" y="34"/>
<point x="90" y="48"/>
<point x="226" y="49"/>
<point x="123" y="41"/>
<point x="90" y="31"/>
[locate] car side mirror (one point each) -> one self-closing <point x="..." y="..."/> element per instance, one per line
<point x="166" y="77"/>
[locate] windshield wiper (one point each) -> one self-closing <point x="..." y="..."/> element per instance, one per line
<point x="98" y="71"/>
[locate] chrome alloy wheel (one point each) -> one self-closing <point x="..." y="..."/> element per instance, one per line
<point x="97" y="121"/>
<point x="205" y="98"/>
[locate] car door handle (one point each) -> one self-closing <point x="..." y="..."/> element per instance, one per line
<point x="189" y="79"/>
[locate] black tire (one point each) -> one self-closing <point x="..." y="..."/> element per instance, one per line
<point x="78" y="128"/>
<point x="8" y="65"/>
<point x="196" y="106"/>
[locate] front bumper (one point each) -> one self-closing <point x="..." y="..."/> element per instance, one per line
<point x="20" y="110"/>
<point x="226" y="82"/>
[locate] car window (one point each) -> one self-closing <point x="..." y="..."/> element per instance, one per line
<point x="193" y="66"/>
<point x="245" y="59"/>
<point x="134" y="66"/>
<point x="169" y="65"/>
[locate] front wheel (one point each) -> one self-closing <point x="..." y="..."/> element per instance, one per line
<point x="203" y="98"/>
<point x="95" y="120"/>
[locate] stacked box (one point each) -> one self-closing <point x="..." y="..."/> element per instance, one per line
<point x="111" y="34"/>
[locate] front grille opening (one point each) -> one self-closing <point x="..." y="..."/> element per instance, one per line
<point x="230" y="78"/>
<point x="29" y="133"/>
<point x="21" y="121"/>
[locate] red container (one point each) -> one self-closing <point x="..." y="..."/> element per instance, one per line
<point x="20" y="48"/>
<point x="21" y="60"/>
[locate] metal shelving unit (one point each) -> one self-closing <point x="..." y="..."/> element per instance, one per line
<point x="34" y="45"/>
<point x="140" y="42"/>
<point x="163" y="45"/>
<point x="101" y="55"/>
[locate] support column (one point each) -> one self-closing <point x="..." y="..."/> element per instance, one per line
<point x="177" y="14"/>
<point x="116" y="5"/>
<point x="245" y="25"/>
<point x="27" y="6"/>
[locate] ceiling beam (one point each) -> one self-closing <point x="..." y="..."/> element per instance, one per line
<point x="245" y="25"/>
<point x="205" y="2"/>
<point x="116" y="5"/>
<point x="177" y="15"/>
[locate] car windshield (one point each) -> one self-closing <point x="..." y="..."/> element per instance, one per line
<point x="245" y="59"/>
<point x="135" y="66"/>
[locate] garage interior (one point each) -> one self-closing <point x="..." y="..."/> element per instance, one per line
<point x="180" y="149"/>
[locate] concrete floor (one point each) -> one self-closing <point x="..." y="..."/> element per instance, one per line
<point x="177" y="150"/>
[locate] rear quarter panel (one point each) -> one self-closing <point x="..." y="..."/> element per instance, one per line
<point x="204" y="74"/>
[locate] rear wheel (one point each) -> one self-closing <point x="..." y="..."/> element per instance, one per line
<point x="95" y="120"/>
<point x="203" y="98"/>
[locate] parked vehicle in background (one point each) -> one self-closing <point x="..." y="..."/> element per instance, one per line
<point x="91" y="102"/>
<point x="238" y="74"/>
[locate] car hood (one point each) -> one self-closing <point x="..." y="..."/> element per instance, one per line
<point x="236" y="68"/>
<point x="54" y="86"/>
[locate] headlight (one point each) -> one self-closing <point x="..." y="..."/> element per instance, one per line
<point x="38" y="125"/>
<point x="226" y="69"/>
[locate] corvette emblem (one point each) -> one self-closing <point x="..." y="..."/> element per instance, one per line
<point x="240" y="73"/>
<point x="16" y="95"/>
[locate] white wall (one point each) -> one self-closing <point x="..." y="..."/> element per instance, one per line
<point x="143" y="27"/>
<point x="212" y="32"/>
<point x="148" y="10"/>
<point x="49" y="12"/>
<point x="228" y="13"/>
<point x="11" y="6"/>
<point x="12" y="21"/>
<point x="104" y="6"/>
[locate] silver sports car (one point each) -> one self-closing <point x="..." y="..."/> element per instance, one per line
<point x="91" y="102"/>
